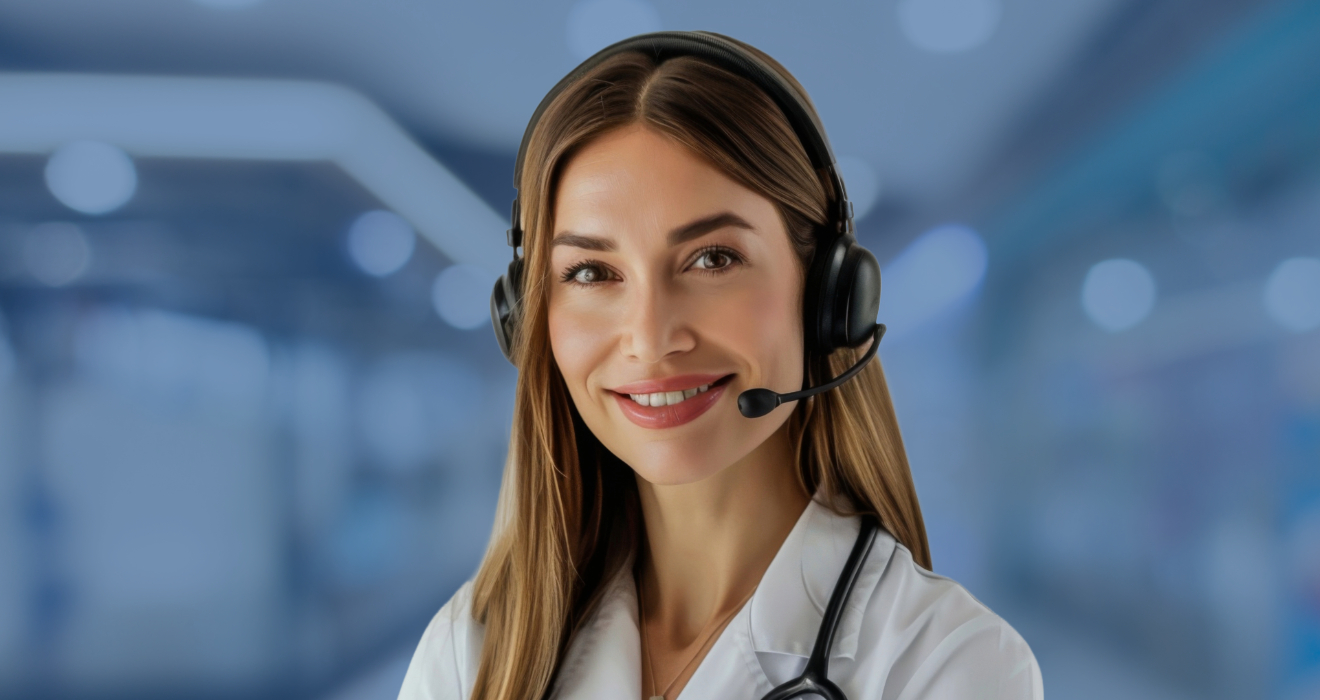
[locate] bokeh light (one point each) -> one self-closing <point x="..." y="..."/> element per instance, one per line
<point x="595" y="24"/>
<point x="1118" y="294"/>
<point x="1292" y="294"/>
<point x="91" y="177"/>
<point x="381" y="242"/>
<point x="461" y="296"/>
<point x="948" y="26"/>
<point x="56" y="253"/>
<point x="938" y="270"/>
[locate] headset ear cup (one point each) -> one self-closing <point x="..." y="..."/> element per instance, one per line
<point x="843" y="296"/>
<point x="820" y="293"/>
<point x="845" y="282"/>
<point x="859" y="292"/>
<point x="505" y="303"/>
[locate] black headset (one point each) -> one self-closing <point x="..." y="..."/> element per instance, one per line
<point x="843" y="284"/>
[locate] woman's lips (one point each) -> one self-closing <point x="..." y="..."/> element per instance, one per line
<point x="676" y="383"/>
<point x="659" y="417"/>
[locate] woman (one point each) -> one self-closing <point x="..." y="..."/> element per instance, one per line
<point x="651" y="539"/>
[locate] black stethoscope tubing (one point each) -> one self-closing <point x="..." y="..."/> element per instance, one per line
<point x="814" y="679"/>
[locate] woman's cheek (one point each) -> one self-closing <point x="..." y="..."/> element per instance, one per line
<point x="579" y="340"/>
<point x="760" y="321"/>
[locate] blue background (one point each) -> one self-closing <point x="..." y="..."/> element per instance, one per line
<point x="253" y="418"/>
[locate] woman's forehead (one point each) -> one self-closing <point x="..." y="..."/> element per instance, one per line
<point x="635" y="178"/>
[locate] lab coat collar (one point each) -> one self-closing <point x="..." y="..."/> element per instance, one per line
<point x="604" y="660"/>
<point x="788" y="606"/>
<point x="783" y="615"/>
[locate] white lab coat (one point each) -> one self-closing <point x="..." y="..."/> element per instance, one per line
<point x="906" y="634"/>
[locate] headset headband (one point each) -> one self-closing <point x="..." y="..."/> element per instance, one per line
<point x="721" y="51"/>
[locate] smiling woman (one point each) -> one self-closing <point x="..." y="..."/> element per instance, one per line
<point x="675" y="276"/>
<point x="652" y="539"/>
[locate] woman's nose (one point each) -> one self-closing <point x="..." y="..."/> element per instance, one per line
<point x="655" y="326"/>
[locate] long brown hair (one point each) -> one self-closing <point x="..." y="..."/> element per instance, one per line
<point x="569" y="514"/>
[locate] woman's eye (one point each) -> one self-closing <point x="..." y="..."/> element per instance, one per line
<point x="714" y="259"/>
<point x="585" y="273"/>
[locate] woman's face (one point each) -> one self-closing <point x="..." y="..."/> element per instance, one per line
<point x="672" y="289"/>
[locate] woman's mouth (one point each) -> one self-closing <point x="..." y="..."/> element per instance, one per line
<point x="668" y="398"/>
<point x="668" y="409"/>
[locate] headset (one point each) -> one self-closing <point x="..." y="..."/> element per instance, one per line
<point x="839" y="308"/>
<point x="843" y="282"/>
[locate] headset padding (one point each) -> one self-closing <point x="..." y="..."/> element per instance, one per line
<point x="504" y="302"/>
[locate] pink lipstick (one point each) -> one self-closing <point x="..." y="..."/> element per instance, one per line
<point x="670" y="402"/>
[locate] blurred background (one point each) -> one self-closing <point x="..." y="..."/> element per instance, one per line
<point x="253" y="417"/>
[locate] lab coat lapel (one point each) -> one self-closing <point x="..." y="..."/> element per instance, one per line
<point x="788" y="606"/>
<point x="782" y="617"/>
<point x="604" y="658"/>
<point x="825" y="550"/>
<point x="730" y="670"/>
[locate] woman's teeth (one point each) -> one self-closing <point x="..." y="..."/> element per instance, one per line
<point x="668" y="398"/>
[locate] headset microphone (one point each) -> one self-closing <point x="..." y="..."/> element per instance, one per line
<point x="755" y="403"/>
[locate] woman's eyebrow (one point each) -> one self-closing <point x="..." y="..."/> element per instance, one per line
<point x="577" y="240"/>
<point x="703" y="226"/>
<point x="682" y="234"/>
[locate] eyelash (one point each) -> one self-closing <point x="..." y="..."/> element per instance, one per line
<point x="734" y="257"/>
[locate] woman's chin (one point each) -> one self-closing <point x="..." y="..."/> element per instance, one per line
<point x="672" y="471"/>
<point x="689" y="458"/>
<point x="675" y="476"/>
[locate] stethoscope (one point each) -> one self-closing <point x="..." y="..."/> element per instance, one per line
<point x="814" y="679"/>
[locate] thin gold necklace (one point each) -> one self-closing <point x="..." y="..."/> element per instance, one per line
<point x="709" y="635"/>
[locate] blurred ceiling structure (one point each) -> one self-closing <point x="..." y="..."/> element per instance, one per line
<point x="268" y="120"/>
<point x="933" y="125"/>
<point x="473" y="72"/>
<point x="937" y="118"/>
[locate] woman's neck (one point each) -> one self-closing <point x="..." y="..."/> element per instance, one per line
<point x="709" y="542"/>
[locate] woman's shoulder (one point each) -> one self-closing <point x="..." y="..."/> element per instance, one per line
<point x="444" y="665"/>
<point x="935" y="639"/>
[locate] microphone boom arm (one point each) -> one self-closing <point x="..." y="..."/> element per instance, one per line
<point x="755" y="403"/>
